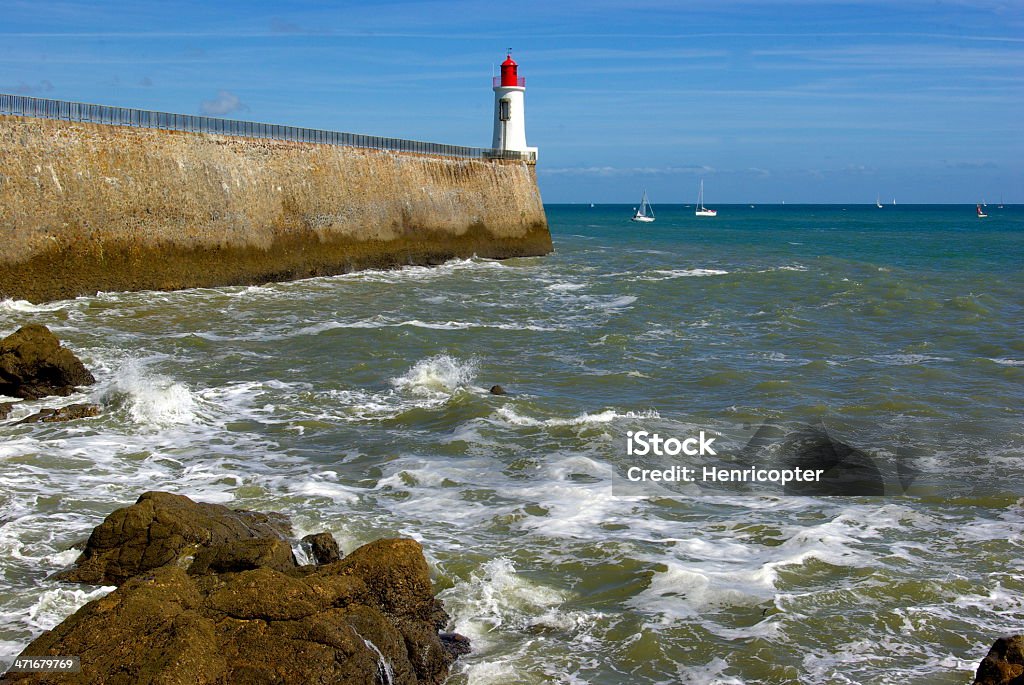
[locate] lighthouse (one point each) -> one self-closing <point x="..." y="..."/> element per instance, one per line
<point x="510" y="110"/>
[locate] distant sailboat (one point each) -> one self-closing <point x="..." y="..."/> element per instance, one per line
<point x="894" y="202"/>
<point x="1000" y="202"/>
<point x="701" y="209"/>
<point x="645" y="214"/>
<point x="878" y="201"/>
<point x="981" y="213"/>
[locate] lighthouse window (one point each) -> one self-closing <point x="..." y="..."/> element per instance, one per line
<point x="504" y="109"/>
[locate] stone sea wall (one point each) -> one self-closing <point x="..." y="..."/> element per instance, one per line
<point x="90" y="207"/>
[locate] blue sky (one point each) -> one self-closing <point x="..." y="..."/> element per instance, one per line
<point x="768" y="101"/>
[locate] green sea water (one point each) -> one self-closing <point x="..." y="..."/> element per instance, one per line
<point x="359" y="404"/>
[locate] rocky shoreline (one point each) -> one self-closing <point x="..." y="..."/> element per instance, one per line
<point x="208" y="594"/>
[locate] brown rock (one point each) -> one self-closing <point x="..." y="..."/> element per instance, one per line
<point x="261" y="626"/>
<point x="33" y="364"/>
<point x="160" y="529"/>
<point x="323" y="548"/>
<point x="244" y="555"/>
<point x="395" y="573"/>
<point x="1004" y="664"/>
<point x="455" y="644"/>
<point x="5" y="409"/>
<point x="68" y="413"/>
<point x="498" y="390"/>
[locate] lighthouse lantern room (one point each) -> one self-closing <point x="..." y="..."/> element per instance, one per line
<point x="509" y="109"/>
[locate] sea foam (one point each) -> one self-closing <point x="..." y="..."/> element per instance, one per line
<point x="152" y="400"/>
<point x="497" y="595"/>
<point x="440" y="374"/>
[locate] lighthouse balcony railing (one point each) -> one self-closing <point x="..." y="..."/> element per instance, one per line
<point x="520" y="82"/>
<point x="43" y="108"/>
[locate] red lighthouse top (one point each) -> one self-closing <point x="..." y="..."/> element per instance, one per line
<point x="510" y="73"/>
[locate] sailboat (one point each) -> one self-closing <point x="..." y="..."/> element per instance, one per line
<point x="646" y="212"/>
<point x="878" y="201"/>
<point x="701" y="209"/>
<point x="981" y="213"/>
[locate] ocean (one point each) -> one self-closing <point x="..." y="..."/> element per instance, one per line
<point x="359" y="404"/>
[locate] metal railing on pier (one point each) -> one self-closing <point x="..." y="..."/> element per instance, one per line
<point x="24" y="106"/>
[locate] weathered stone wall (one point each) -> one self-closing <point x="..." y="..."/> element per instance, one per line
<point x="88" y="207"/>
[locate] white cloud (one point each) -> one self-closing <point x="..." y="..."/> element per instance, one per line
<point x="225" y="103"/>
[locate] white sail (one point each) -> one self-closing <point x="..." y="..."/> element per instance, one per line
<point x="645" y="214"/>
<point x="701" y="209"/>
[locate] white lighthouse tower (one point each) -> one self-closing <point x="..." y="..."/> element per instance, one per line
<point x="510" y="110"/>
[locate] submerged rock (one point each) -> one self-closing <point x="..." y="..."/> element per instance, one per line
<point x="498" y="390"/>
<point x="161" y="529"/>
<point x="33" y="364"/>
<point x="1004" y="664"/>
<point x="68" y="413"/>
<point x="5" y="409"/>
<point x="847" y="471"/>
<point x="368" y="618"/>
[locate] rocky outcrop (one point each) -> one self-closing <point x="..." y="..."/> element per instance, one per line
<point x="33" y="364"/>
<point x="67" y="413"/>
<point x="5" y="409"/>
<point x="1004" y="664"/>
<point x="162" y="529"/>
<point x="211" y="595"/>
<point x="369" y="618"/>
